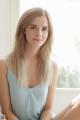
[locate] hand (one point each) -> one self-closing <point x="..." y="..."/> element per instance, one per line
<point x="2" y="117"/>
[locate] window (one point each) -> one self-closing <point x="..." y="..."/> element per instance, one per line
<point x="66" y="19"/>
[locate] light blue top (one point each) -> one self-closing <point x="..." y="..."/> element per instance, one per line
<point x="27" y="103"/>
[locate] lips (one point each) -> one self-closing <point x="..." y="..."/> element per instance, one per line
<point x="36" y="39"/>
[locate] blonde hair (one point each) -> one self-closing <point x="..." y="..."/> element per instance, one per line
<point x="17" y="55"/>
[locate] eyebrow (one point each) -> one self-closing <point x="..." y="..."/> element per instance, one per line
<point x="37" y="25"/>
<point x="33" y="25"/>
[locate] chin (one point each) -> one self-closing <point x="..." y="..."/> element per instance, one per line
<point x="40" y="45"/>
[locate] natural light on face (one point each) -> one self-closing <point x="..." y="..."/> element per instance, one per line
<point x="66" y="23"/>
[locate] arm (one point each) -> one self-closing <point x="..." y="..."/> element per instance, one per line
<point x="48" y="110"/>
<point x="73" y="113"/>
<point x="4" y="93"/>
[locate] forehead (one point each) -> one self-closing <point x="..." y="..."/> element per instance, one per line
<point x="42" y="20"/>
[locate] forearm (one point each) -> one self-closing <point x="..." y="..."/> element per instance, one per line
<point x="10" y="116"/>
<point x="46" y="114"/>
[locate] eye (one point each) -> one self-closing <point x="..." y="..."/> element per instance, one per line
<point x="32" y="27"/>
<point x="45" y="28"/>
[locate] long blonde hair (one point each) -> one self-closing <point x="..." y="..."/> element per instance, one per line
<point x="17" y="55"/>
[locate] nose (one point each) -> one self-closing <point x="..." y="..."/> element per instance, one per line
<point x="39" y="32"/>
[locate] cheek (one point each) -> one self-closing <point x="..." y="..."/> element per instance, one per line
<point x="45" y="36"/>
<point x="28" y="35"/>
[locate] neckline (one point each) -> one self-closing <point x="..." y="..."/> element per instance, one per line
<point x="24" y="87"/>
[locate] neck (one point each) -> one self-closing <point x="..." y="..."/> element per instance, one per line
<point x="31" y="53"/>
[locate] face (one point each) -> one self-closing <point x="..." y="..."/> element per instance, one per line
<point x="37" y="31"/>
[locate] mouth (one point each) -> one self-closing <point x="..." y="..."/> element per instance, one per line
<point x="38" y="39"/>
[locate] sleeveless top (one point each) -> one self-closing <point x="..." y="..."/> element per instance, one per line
<point x="27" y="103"/>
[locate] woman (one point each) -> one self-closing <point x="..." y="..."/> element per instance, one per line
<point x="28" y="75"/>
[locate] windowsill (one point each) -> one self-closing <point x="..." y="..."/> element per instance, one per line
<point x="68" y="89"/>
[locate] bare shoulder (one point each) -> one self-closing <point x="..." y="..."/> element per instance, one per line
<point x="2" y="67"/>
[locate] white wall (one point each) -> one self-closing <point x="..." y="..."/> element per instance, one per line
<point x="4" y="25"/>
<point x="9" y="11"/>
